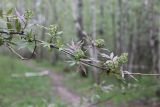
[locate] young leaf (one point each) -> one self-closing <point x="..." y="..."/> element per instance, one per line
<point x="112" y="55"/>
<point x="105" y="55"/>
<point x="19" y="16"/>
<point x="60" y="33"/>
<point x="9" y="25"/>
<point x="18" y="25"/>
<point x="1" y="13"/>
<point x="9" y="12"/>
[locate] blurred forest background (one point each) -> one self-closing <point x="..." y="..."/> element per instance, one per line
<point x="131" y="26"/>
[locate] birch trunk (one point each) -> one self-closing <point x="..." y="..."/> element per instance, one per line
<point x="119" y="33"/>
<point x="101" y="29"/>
<point x="93" y="51"/>
<point x="77" y="12"/>
<point x="153" y="35"/>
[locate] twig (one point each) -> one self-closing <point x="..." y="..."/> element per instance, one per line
<point x="102" y="68"/>
<point x="12" y="50"/>
<point x="142" y="74"/>
<point x="90" y="64"/>
<point x="12" y="33"/>
<point x="20" y="56"/>
<point x="35" y="47"/>
<point x="64" y="51"/>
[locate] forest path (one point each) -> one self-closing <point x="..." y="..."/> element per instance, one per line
<point x="68" y="96"/>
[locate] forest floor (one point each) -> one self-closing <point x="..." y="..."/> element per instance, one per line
<point x="40" y="84"/>
<point x="67" y="95"/>
<point x="74" y="98"/>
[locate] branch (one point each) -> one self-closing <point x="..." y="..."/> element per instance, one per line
<point x="69" y="53"/>
<point x="142" y="74"/>
<point x="20" y="56"/>
<point x="12" y="33"/>
<point x="12" y="50"/>
<point x="100" y="67"/>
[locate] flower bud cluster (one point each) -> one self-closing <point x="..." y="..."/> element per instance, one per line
<point x="78" y="54"/>
<point x="114" y="64"/>
<point x="123" y="58"/>
<point x="99" y="43"/>
<point x="53" y="30"/>
<point x="28" y="14"/>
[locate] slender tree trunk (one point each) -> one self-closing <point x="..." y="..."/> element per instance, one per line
<point x="77" y="8"/>
<point x="114" y="30"/>
<point x="125" y="23"/>
<point x="153" y="36"/>
<point x="119" y="33"/>
<point x="132" y="46"/>
<point x="55" y="54"/>
<point x="101" y="29"/>
<point x="93" y="51"/>
<point x="42" y="52"/>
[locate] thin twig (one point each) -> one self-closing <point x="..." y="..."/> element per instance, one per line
<point x="20" y="56"/>
<point x="12" y="33"/>
<point x="12" y="50"/>
<point x="142" y="74"/>
<point x="35" y="47"/>
<point x="64" y="51"/>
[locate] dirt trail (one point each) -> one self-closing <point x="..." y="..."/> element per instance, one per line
<point x="73" y="99"/>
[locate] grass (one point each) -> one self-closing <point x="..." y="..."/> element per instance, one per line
<point x="144" y="89"/>
<point x="24" y="91"/>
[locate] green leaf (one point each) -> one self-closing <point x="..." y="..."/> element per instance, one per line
<point x="46" y="44"/>
<point x="60" y="33"/>
<point x="18" y="25"/>
<point x="59" y="43"/>
<point x="1" y="41"/>
<point x="1" y="13"/>
<point x="26" y="45"/>
<point x="9" y="25"/>
<point x="9" y="12"/>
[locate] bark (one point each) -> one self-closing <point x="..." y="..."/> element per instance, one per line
<point x="77" y="7"/>
<point x="153" y="36"/>
<point x="114" y="33"/>
<point x="42" y="51"/>
<point x="132" y="46"/>
<point x="119" y="34"/>
<point x="55" y="54"/>
<point x="77" y="11"/>
<point x="122" y="26"/>
<point x="125" y="22"/>
<point x="101" y="29"/>
<point x="93" y="51"/>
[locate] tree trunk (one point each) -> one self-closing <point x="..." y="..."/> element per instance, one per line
<point x="55" y="53"/>
<point x="153" y="36"/>
<point x="119" y="34"/>
<point x="93" y="51"/>
<point x="101" y="29"/>
<point x="132" y="46"/>
<point x="77" y="8"/>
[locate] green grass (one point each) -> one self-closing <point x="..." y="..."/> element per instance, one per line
<point x="24" y="91"/>
<point x="144" y="88"/>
